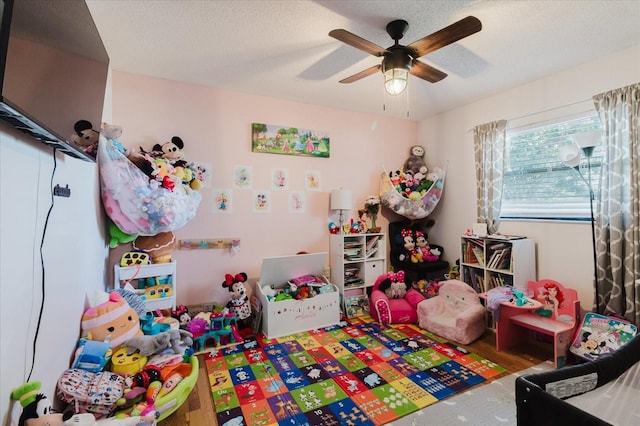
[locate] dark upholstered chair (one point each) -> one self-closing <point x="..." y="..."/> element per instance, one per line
<point x="427" y="269"/>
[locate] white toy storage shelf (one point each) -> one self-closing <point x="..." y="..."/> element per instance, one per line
<point x="160" y="295"/>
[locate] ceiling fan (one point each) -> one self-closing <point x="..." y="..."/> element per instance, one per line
<point x="399" y="60"/>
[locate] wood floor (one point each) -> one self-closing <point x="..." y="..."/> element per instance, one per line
<point x="198" y="408"/>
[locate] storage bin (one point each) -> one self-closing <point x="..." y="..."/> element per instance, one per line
<point x="286" y="317"/>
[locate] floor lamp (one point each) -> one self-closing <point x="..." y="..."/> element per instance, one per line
<point x="584" y="144"/>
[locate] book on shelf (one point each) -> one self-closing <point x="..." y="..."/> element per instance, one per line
<point x="505" y="260"/>
<point x="371" y="252"/>
<point x="477" y="281"/>
<point x="372" y="242"/>
<point x="479" y="255"/>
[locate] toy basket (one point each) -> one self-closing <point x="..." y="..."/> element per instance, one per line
<point x="410" y="208"/>
<point x="137" y="205"/>
<point x="169" y="403"/>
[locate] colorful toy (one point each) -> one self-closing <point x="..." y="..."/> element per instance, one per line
<point x="113" y="321"/>
<point x="239" y="303"/>
<point x="152" y="327"/>
<point x="222" y="328"/>
<point x="92" y="355"/>
<point x="36" y="408"/>
<point x="123" y="363"/>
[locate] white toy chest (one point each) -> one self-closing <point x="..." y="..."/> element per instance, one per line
<point x="293" y="316"/>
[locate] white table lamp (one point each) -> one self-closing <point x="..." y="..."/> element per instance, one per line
<point x="341" y="201"/>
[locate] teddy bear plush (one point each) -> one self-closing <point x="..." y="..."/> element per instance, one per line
<point x="415" y="163"/>
<point x="239" y="302"/>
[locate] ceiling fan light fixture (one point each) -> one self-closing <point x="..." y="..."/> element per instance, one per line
<point x="395" y="69"/>
<point x="395" y="80"/>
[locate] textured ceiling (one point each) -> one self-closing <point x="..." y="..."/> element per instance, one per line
<point x="282" y="48"/>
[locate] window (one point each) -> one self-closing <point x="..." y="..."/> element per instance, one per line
<point x="537" y="184"/>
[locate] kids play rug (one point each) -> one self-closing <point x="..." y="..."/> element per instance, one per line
<point x="355" y="373"/>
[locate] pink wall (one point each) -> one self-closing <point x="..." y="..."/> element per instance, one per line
<point x="216" y="128"/>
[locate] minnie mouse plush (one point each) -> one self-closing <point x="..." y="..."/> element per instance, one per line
<point x="239" y="303"/>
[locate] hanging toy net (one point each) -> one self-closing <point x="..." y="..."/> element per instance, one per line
<point x="413" y="205"/>
<point x="136" y="203"/>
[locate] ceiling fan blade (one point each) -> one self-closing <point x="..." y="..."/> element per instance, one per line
<point x="357" y="42"/>
<point x="454" y="32"/>
<point x="361" y="74"/>
<point x="426" y="72"/>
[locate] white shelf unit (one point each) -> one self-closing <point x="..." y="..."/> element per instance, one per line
<point x="487" y="262"/>
<point x="154" y="297"/>
<point x="357" y="260"/>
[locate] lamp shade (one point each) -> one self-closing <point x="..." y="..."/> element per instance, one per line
<point x="570" y="155"/>
<point x="588" y="139"/>
<point x="340" y="199"/>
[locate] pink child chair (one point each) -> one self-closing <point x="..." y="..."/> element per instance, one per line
<point x="455" y="313"/>
<point x="393" y="301"/>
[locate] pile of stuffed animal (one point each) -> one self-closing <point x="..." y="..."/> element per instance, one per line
<point x="120" y="371"/>
<point x="415" y="178"/>
<point x="164" y="164"/>
<point x="415" y="190"/>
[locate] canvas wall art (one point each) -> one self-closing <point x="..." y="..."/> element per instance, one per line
<point x="274" y="139"/>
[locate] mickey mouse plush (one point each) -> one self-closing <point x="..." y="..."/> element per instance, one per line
<point x="172" y="151"/>
<point x="85" y="137"/>
<point x="239" y="303"/>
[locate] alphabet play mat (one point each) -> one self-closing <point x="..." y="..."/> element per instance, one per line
<point x="355" y="373"/>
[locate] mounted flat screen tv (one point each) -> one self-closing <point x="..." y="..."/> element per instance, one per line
<point x="53" y="70"/>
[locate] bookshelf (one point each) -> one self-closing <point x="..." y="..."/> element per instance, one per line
<point x="357" y="260"/>
<point x="488" y="262"/>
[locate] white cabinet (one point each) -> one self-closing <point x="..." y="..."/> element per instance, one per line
<point x="155" y="283"/>
<point x="357" y="260"/>
<point x="488" y="262"/>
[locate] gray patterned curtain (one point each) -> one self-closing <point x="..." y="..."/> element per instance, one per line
<point x="618" y="216"/>
<point x="489" y="144"/>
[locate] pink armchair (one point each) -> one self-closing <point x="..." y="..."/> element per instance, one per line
<point x="393" y="301"/>
<point x="455" y="313"/>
